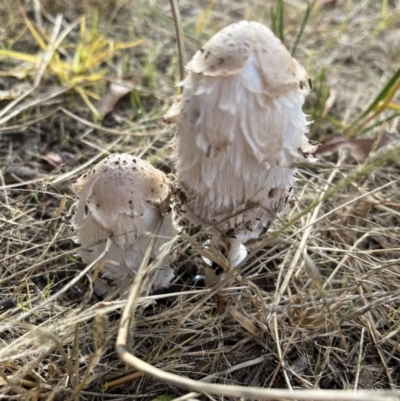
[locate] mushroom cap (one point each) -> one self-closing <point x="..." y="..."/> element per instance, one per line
<point x="241" y="130"/>
<point x="228" y="51"/>
<point x="121" y="185"/>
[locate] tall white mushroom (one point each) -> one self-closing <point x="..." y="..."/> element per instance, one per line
<point x="122" y="197"/>
<point x="241" y="129"/>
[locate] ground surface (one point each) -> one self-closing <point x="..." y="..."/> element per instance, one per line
<point x="330" y="322"/>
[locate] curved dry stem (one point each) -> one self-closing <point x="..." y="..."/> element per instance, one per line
<point x="123" y="350"/>
<point x="179" y="36"/>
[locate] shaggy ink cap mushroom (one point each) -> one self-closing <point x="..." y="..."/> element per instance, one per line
<point x="123" y="197"/>
<point x="241" y="129"/>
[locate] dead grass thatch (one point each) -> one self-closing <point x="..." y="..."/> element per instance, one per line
<point x="318" y="303"/>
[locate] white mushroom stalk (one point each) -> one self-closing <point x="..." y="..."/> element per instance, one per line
<point x="123" y="198"/>
<point x="241" y="129"/>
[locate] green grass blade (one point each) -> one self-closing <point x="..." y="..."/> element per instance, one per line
<point x="281" y="20"/>
<point x="188" y="33"/>
<point x="383" y="94"/>
<point x="379" y="123"/>
<point x="386" y="92"/>
<point x="302" y="27"/>
<point x="277" y="20"/>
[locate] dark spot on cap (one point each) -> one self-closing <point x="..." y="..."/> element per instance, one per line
<point x="221" y="61"/>
<point x="290" y="189"/>
<point x="301" y="85"/>
<point x="86" y="209"/>
<point x="134" y="160"/>
<point x="84" y="175"/>
<point x="130" y="202"/>
<point x="304" y="154"/>
<point x="201" y="50"/>
<point x="265" y="229"/>
<point x="182" y="197"/>
<point x="310" y="83"/>
<point x="230" y="233"/>
<point x="271" y="192"/>
<point x="97" y="206"/>
<point x="217" y="269"/>
<point x="207" y="55"/>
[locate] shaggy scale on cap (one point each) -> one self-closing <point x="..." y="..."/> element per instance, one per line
<point x="123" y="197"/>
<point x="240" y="130"/>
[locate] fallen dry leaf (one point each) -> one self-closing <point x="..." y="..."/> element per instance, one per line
<point x="56" y="159"/>
<point x="359" y="148"/>
<point x="14" y="174"/>
<point x="115" y="92"/>
<point x="331" y="3"/>
<point x="244" y="321"/>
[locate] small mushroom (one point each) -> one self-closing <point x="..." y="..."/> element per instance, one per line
<point x="122" y="198"/>
<point x="241" y="129"/>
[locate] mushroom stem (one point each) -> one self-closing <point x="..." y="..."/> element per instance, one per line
<point x="236" y="251"/>
<point x="241" y="131"/>
<point x="231" y="252"/>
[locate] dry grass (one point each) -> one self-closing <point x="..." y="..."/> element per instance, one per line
<point x="329" y="320"/>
